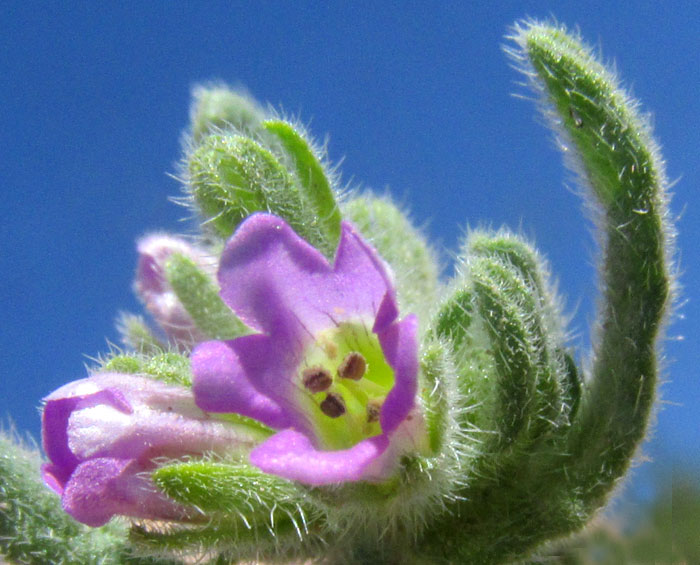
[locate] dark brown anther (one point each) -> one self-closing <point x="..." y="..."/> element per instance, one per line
<point x="316" y="379"/>
<point x="333" y="405"/>
<point x="374" y="409"/>
<point x="353" y="366"/>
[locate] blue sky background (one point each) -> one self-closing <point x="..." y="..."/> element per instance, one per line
<point x="415" y="96"/>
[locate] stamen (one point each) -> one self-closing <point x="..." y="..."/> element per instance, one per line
<point x="330" y="349"/>
<point x="374" y="409"/>
<point x="316" y="379"/>
<point x="353" y="366"/>
<point x="333" y="405"/>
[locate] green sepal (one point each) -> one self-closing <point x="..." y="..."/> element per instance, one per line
<point x="377" y="522"/>
<point x="548" y="319"/>
<point x="249" y="514"/>
<point x="127" y="364"/>
<point x="454" y="317"/>
<point x="414" y="263"/>
<point x="512" y="251"/>
<point x="502" y="325"/>
<point x="250" y="425"/>
<point x="521" y="275"/>
<point x="200" y="296"/>
<point x="173" y="368"/>
<point x="169" y="367"/>
<point x="229" y="488"/>
<point x="458" y="324"/>
<point x="497" y="295"/>
<point x="233" y="539"/>
<point x="314" y="186"/>
<point x="229" y="177"/>
<point x="437" y="373"/>
<point x="218" y="108"/>
<point x="232" y="176"/>
<point x="574" y="382"/>
<point x="137" y="336"/>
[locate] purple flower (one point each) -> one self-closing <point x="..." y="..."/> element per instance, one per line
<point x="155" y="291"/>
<point x="332" y="367"/>
<point x="104" y="434"/>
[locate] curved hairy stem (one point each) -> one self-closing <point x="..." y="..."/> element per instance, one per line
<point x="617" y="158"/>
<point x="562" y="444"/>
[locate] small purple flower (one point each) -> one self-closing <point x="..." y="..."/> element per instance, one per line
<point x="155" y="291"/>
<point x="103" y="435"/>
<point x="332" y="367"/>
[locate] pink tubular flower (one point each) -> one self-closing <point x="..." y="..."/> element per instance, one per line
<point x="155" y="292"/>
<point x="332" y="368"/>
<point x="103" y="434"/>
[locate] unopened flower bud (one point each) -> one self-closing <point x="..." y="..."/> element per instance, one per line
<point x="154" y="290"/>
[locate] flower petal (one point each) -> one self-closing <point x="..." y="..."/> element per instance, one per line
<point x="127" y="417"/>
<point x="387" y="313"/>
<point x="400" y="347"/>
<point x="291" y="455"/>
<point x="55" y="477"/>
<point x="154" y="290"/>
<point x="221" y="382"/>
<point x="103" y="487"/>
<point x="266" y="268"/>
<point x="57" y="411"/>
<point x="283" y="287"/>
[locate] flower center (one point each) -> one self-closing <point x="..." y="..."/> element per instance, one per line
<point x="344" y="381"/>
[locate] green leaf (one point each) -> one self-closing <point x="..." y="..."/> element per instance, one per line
<point x="250" y="514"/>
<point x="200" y="296"/>
<point x="169" y="367"/>
<point x="228" y="488"/>
<point x="314" y="186"/>
<point x="232" y="177"/>
<point x="136" y="335"/>
<point x="437" y="373"/>
<point x="218" y="107"/>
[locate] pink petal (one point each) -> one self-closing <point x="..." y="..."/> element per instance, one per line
<point x="154" y="290"/>
<point x="221" y="380"/>
<point x="291" y="455"/>
<point x="400" y="347"/>
<point x="267" y="269"/>
<point x="94" y="428"/>
<point x="104" y="487"/>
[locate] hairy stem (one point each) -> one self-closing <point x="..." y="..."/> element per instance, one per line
<point x="620" y="162"/>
